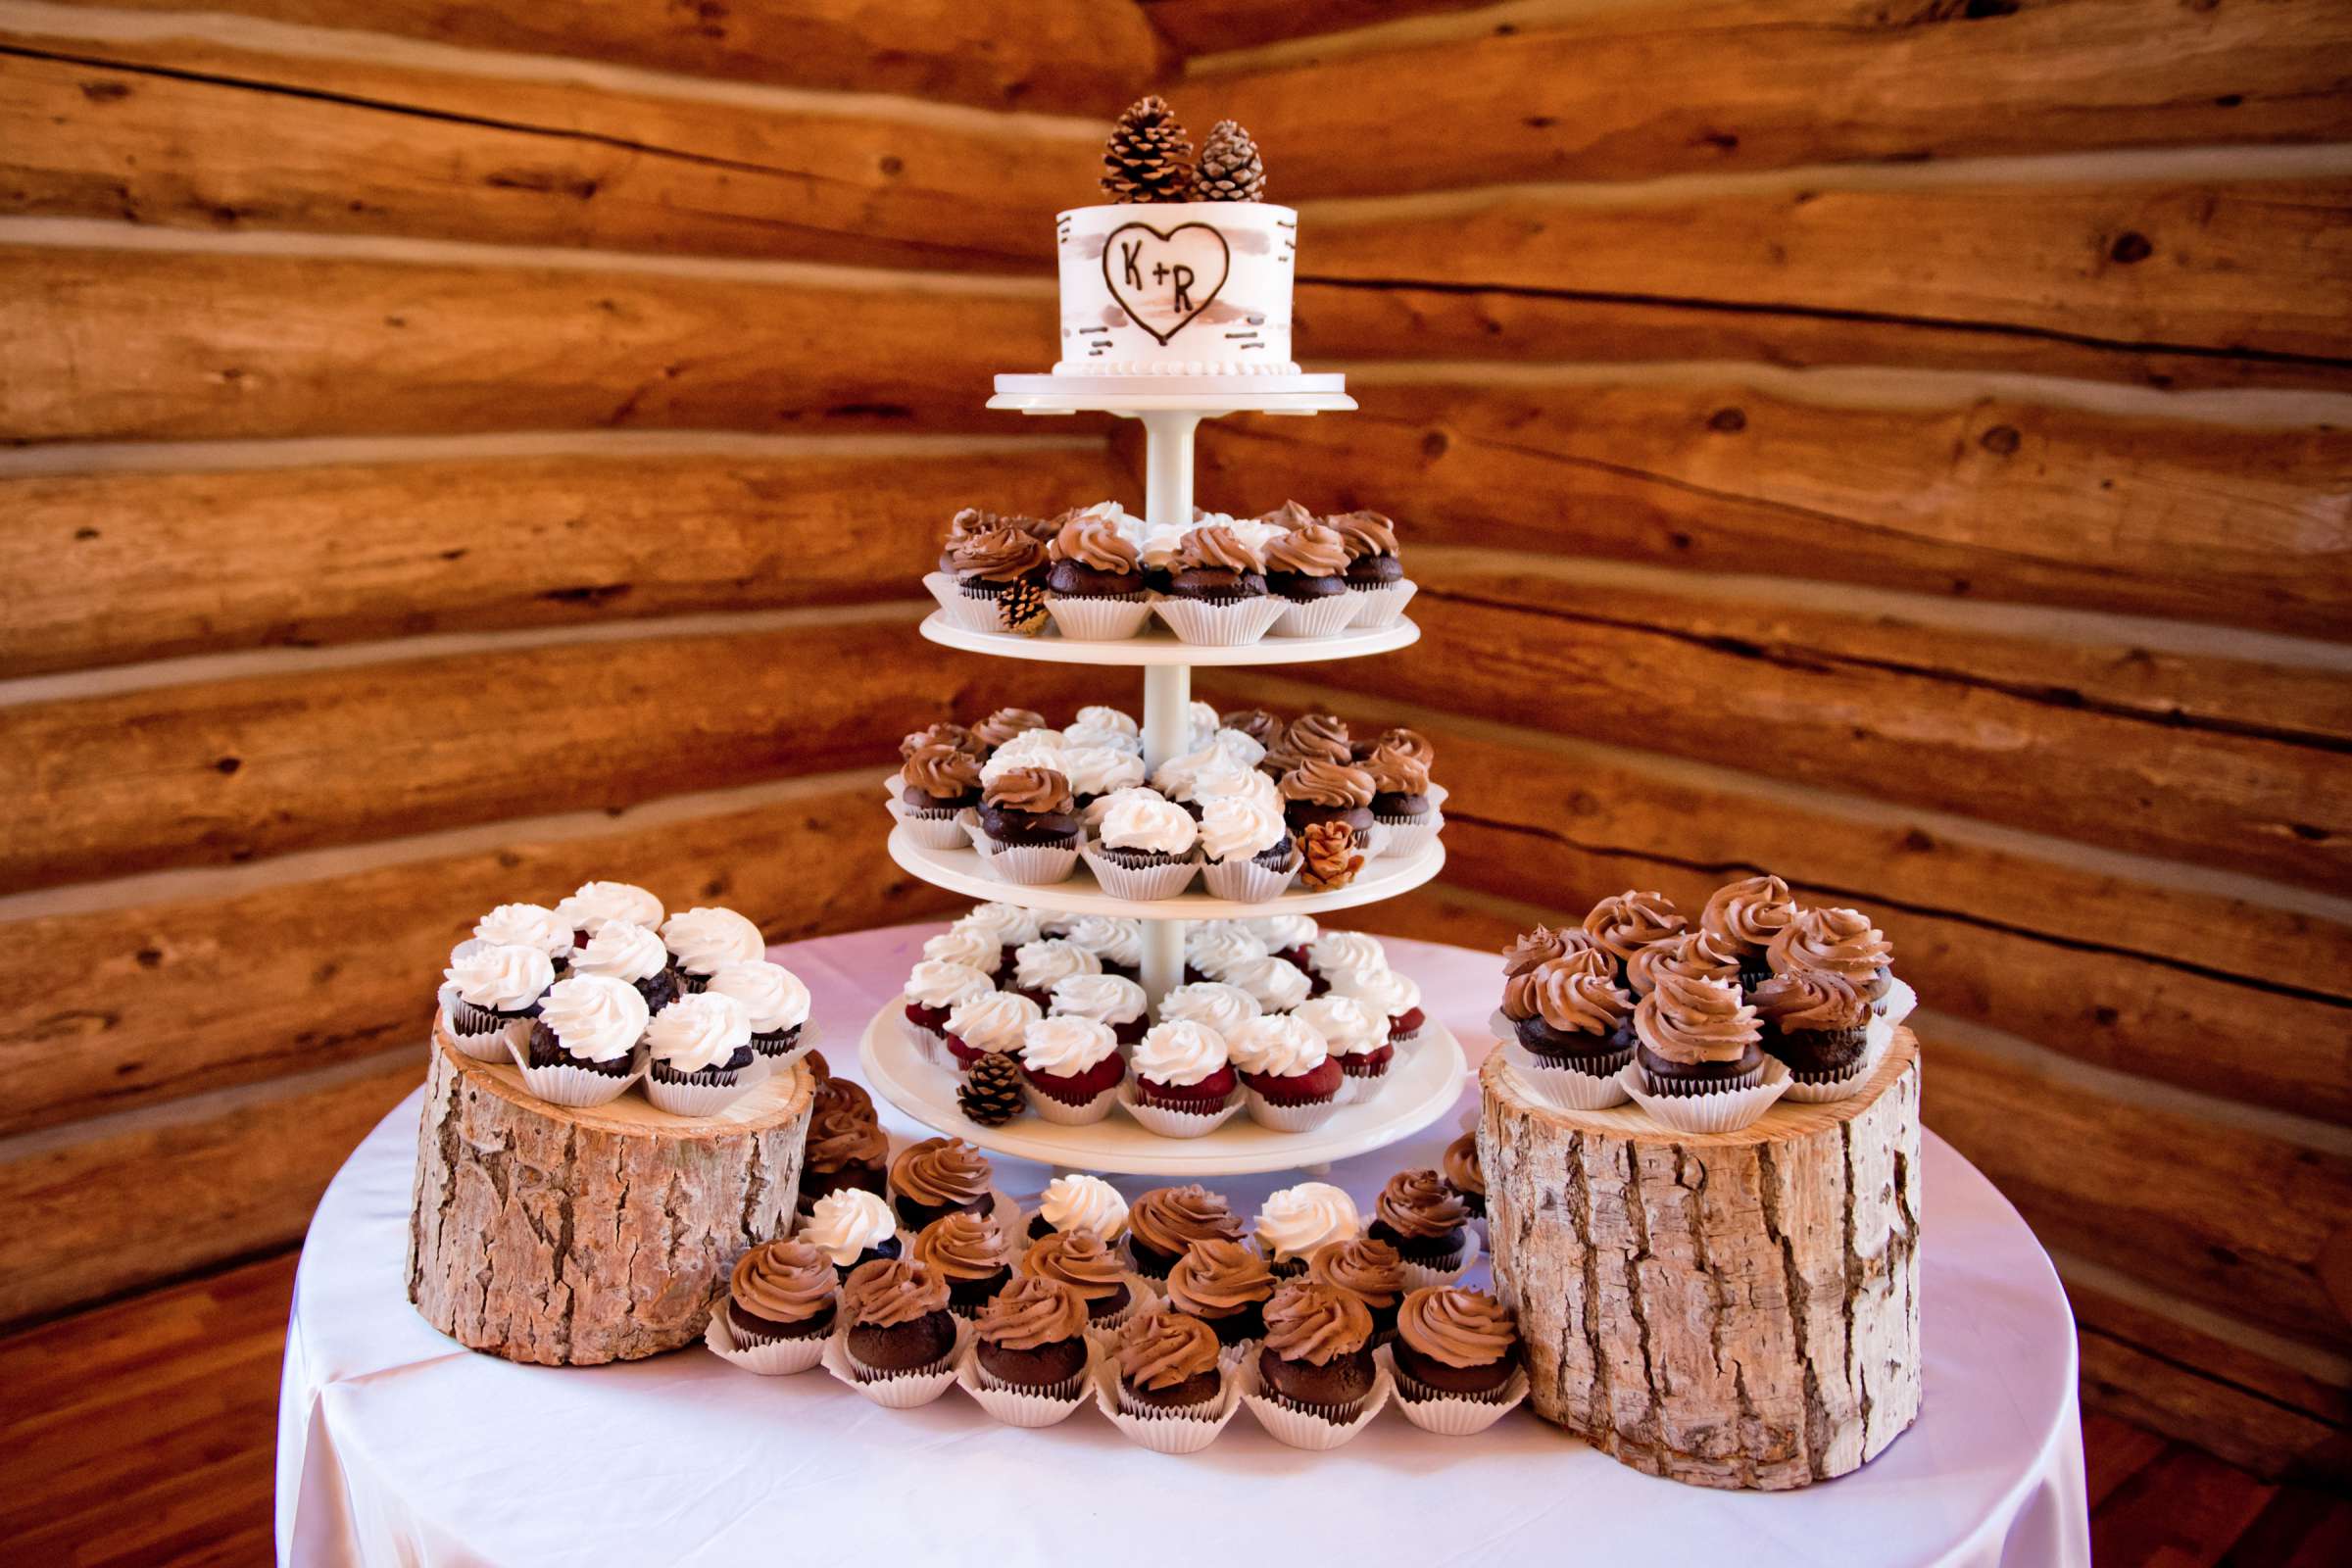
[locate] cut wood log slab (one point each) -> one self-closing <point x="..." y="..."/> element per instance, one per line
<point x="1730" y="1309"/>
<point x="572" y="1237"/>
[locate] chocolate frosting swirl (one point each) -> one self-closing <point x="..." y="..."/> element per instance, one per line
<point x="943" y="733"/>
<point x="1038" y="791"/>
<point x="1396" y="772"/>
<point x="1411" y="741"/>
<point x="1576" y="995"/>
<point x="787" y="1281"/>
<point x="887" y="1292"/>
<point x="940" y="1171"/>
<point x="1094" y="542"/>
<point x="1255" y="723"/>
<point x="1000" y="555"/>
<point x="1626" y="923"/>
<point x="840" y="1135"/>
<point x="1691" y="1020"/>
<point x="1170" y="1219"/>
<point x="969" y="525"/>
<point x="1418" y="1203"/>
<point x="1532" y="948"/>
<point x="942" y="772"/>
<point x="1160" y="1348"/>
<point x="1219" y="548"/>
<point x="1460" y="1328"/>
<point x="1811" y="1000"/>
<point x="1004" y="723"/>
<point x="1219" y="1278"/>
<point x="1693" y="953"/>
<point x="1371" y="1269"/>
<point x="1744" y="917"/>
<point x="1080" y="1259"/>
<point x="1311" y="1322"/>
<point x="1321" y="783"/>
<point x="1463" y="1173"/>
<point x="1840" y="941"/>
<point x="1030" y="1312"/>
<point x="963" y="1247"/>
<point x="1309" y="549"/>
<point x="1366" y="533"/>
<point x="1290" y="514"/>
<point x="1318" y="735"/>
<point x="839" y="1096"/>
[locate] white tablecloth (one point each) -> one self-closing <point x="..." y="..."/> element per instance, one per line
<point x="398" y="1445"/>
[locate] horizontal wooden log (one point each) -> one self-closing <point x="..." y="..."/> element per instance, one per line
<point x="113" y="569"/>
<point x="1072" y="55"/>
<point x="204" y="994"/>
<point x="2236" y="269"/>
<point x="1629" y="92"/>
<point x="1208" y="27"/>
<point x="142" y="345"/>
<point x="145" y="1201"/>
<point x="192" y="135"/>
<point x="234" y="769"/>
<point x="1988" y="498"/>
<point x="2174" y="983"/>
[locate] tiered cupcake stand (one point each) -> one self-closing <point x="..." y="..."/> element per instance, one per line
<point x="1427" y="1079"/>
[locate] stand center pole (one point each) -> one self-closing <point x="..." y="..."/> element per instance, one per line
<point x="1167" y="688"/>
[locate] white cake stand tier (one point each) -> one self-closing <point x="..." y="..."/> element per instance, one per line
<point x="1156" y="647"/>
<point x="1423" y="1085"/>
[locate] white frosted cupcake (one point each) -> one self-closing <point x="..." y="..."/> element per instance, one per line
<point x="1009" y="923"/>
<point x="1097" y="772"/>
<point x="527" y="925"/>
<point x="1297" y="1220"/>
<point x="1080" y="1203"/>
<point x="935" y="988"/>
<point x="972" y="945"/>
<point x="1211" y="947"/>
<point x="490" y="985"/>
<point x="592" y="905"/>
<point x="1276" y="985"/>
<point x="1287" y="1072"/>
<point x="1109" y="998"/>
<point x="1222" y="1008"/>
<point x="702" y="939"/>
<point x="624" y="950"/>
<point x="1393" y="996"/>
<point x="1070" y="1068"/>
<point x="1115" y="939"/>
<point x="589" y="1023"/>
<point x="851" y="1226"/>
<point x="1143" y="848"/>
<point x="1038" y="965"/>
<point x="1285" y="936"/>
<point x="774" y="998"/>
<point x="989" y="1025"/>
<point x="1249" y="854"/>
<point x="1358" y="1037"/>
<point x="1184" y="1083"/>
<point x="1338" y="951"/>
<point x="701" y="1051"/>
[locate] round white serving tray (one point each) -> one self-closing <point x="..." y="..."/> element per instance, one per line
<point x="1156" y="644"/>
<point x="1424" y="1084"/>
<point x="1173" y="394"/>
<point x="963" y="871"/>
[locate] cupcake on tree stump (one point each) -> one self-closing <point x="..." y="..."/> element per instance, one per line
<point x="593" y="905"/>
<point x="1814" y="1020"/>
<point x="1838" y="942"/>
<point x="1569" y="1014"/>
<point x="1693" y="953"/>
<point x="1624" y="924"/>
<point x="1741" y="919"/>
<point x="773" y="999"/>
<point x="701" y="1050"/>
<point x="1696" y="1036"/>
<point x="624" y="950"/>
<point x="702" y="939"/>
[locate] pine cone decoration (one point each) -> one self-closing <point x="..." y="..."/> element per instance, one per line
<point x="1229" y="168"/>
<point x="1332" y="858"/>
<point x="1021" y="607"/>
<point x="991" y="1093"/>
<point x="1149" y="157"/>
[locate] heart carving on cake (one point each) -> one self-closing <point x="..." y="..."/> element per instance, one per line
<point x="1163" y="278"/>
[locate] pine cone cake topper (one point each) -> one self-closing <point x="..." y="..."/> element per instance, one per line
<point x="991" y="1093"/>
<point x="1332" y="858"/>
<point x="1230" y="169"/>
<point x="1149" y="157"/>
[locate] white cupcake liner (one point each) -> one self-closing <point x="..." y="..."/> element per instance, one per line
<point x="974" y="612"/>
<point x="775" y="1358"/>
<point x="1099" y="619"/>
<point x="1288" y="1118"/>
<point x="894" y="1391"/>
<point x="1502" y="1026"/>
<point x="1452" y="1415"/>
<point x="1064" y="1114"/>
<point x="1383" y="605"/>
<point x="1874" y="1052"/>
<point x="943" y="830"/>
<point x="1317" y="617"/>
<point x="492" y="1046"/>
<point x="941" y="586"/>
<point x="1019" y="1407"/>
<point x="1436" y="796"/>
<point x="1141" y="883"/>
<point x="776" y="1064"/>
<point x="576" y="1087"/>
<point x="698" y="1100"/>
<point x="974" y="834"/>
<point x="1303" y="1428"/>
<point x="1032" y="866"/>
<point x="1901" y="1000"/>
<point x="1357" y="1089"/>
<point x="1164" y="1431"/>
<point x="1411" y="835"/>
<point x="1168" y="1123"/>
<point x="1564" y="1087"/>
<point x="1244" y="881"/>
<point x="1723" y="1111"/>
<point x="1232" y="1356"/>
<point x="1226" y="626"/>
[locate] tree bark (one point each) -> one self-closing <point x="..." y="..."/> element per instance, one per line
<point x="1730" y="1309"/>
<point x="573" y="1237"/>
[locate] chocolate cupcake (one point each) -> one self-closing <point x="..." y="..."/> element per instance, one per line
<point x="844" y="1148"/>
<point x="590" y="1022"/>
<point x="937" y="782"/>
<point x="1624" y="924"/>
<point x="1086" y="1263"/>
<point x="1320" y="791"/>
<point x="1840" y="942"/>
<point x="1002" y="577"/>
<point x="1288" y="515"/>
<point x="704" y="938"/>
<point x="592" y="906"/>
<point x="702" y="1040"/>
<point x="965" y="526"/>
<point x="899" y="1322"/>
<point x="1307" y="564"/>
<point x="1032" y="1339"/>
<point x="1399" y="787"/>
<point x="1255" y="723"/>
<point x="971" y="1254"/>
<point x="1464" y="1177"/>
<point x="943" y="733"/>
<point x="1696" y="1036"/>
<point x="852" y="1227"/>
<point x="1371" y="1269"/>
<point x="490" y="985"/>
<point x="1225" y="1285"/>
<point x="1298" y="1221"/>
<point x="528" y="925"/>
<point x="1815" y="1021"/>
<point x="1166" y="1220"/>
<point x="843" y="1093"/>
<point x="1370" y="540"/>
<point x="1419" y="1215"/>
<point x="781" y="1290"/>
<point x="1169" y="1364"/>
<point x="1570" y="1013"/>
<point x="621" y="950"/>
<point x="1318" y="735"/>
<point x="1214" y="566"/>
<point x="1003" y="725"/>
<point x="1694" y="955"/>
<point x="940" y="1176"/>
<point x="1453" y="1343"/>
<point x="774" y="998"/>
<point x="1317" y="1353"/>
<point x="1030" y="806"/>
<point x="1743" y="917"/>
<point x="1080" y="1203"/>
<point x="1089" y="559"/>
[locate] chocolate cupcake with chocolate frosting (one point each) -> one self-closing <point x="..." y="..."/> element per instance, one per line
<point x="1453" y="1343"/>
<point x="899" y="1319"/>
<point x="1002" y="727"/>
<point x="1086" y="1263"/>
<point x="962" y="528"/>
<point x="1743" y="917"/>
<point x="1697" y="1037"/>
<point x="1214" y="565"/>
<point x="1167" y="1364"/>
<point x="1032" y="1337"/>
<point x="943" y="733"/>
<point x="1399" y="787"/>
<point x="1418" y="1215"/>
<point x="1166" y="1220"/>
<point x="1307" y="564"/>
<point x="1030" y="806"/>
<point x="940" y="1176"/>
<point x="844" y="1149"/>
<point x="1569" y="1012"/>
<point x="1319" y="791"/>
<point x="937" y="782"/>
<point x="971" y="1254"/>
<point x="1224" y="1283"/>
<point x="1317" y="1352"/>
<point x="1464" y="1177"/>
<point x="1841" y="942"/>
<point x="1373" y="1270"/>
<point x="780" y="1291"/>
<point x="1371" y="543"/>
<point x="1255" y="723"/>
<point x="1626" y="923"/>
<point x="1693" y="953"/>
<point x="1089" y="559"/>
<point x="989" y="566"/>
<point x="1816" y="1021"/>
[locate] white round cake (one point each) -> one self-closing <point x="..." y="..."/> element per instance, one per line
<point x="1177" y="288"/>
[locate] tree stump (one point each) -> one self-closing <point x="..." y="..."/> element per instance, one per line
<point x="1730" y="1309"/>
<point x="572" y="1237"/>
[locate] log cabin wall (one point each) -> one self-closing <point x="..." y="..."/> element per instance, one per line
<point x="457" y="449"/>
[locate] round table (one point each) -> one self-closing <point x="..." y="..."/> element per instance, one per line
<point x="398" y="1445"/>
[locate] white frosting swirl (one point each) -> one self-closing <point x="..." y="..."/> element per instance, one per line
<point x="1158" y="543"/>
<point x="1175" y="777"/>
<point x="1066" y="1045"/>
<point x="1223" y="1008"/>
<point x="1299" y="1219"/>
<point x="503" y="976"/>
<point x="526" y="925"/>
<point x="1115" y="939"/>
<point x="1255" y="532"/>
<point x="1278" y="1045"/>
<point x="1138" y="819"/>
<point x="1350" y="1028"/>
<point x="770" y="993"/>
<point x="1178" y="1052"/>
<point x="1382" y="991"/>
<point x="845" y="1222"/>
<point x="1031" y="748"/>
<point x="594" y="1017"/>
<point x="1097" y="715"/>
<point x="1201" y="722"/>
<point x="993" y="1023"/>
<point x="622" y="951"/>
<point x="1104" y="736"/>
<point x="1335" y="950"/>
<point x="1283" y="932"/>
<point x="1110" y="998"/>
<point x="1098" y="769"/>
<point x="1239" y="744"/>
<point x="1214" y="946"/>
<point x="592" y="904"/>
<point x="1277" y="984"/>
<point x="1236" y="827"/>
<point x="1011" y="924"/>
<point x="699" y="1031"/>
<point x="1081" y="1203"/>
<point x="967" y="944"/>
<point x="937" y="983"/>
<point x="1038" y="964"/>
<point x="1225" y="776"/>
<point x="706" y="938"/>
